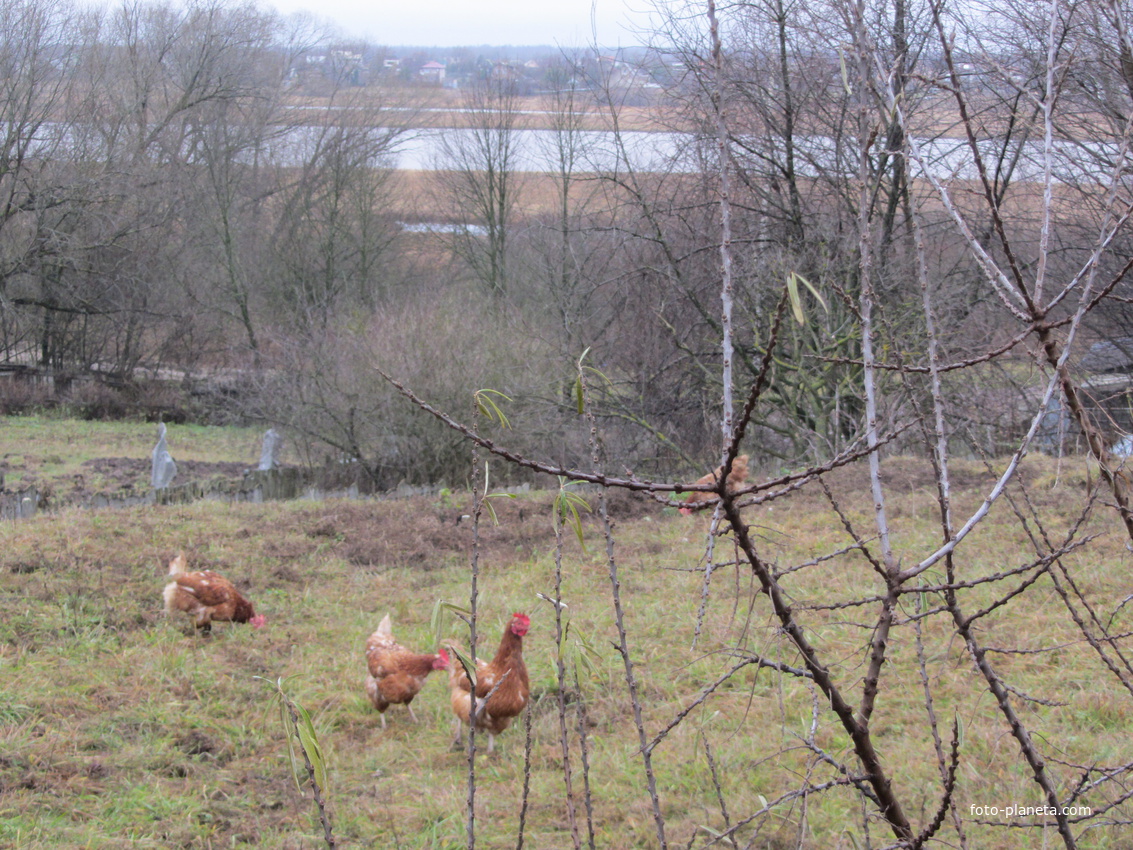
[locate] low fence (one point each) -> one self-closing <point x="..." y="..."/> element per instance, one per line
<point x="19" y="504"/>
<point x="256" y="486"/>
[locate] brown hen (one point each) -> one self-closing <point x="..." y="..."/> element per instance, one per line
<point x="396" y="673"/>
<point x="736" y="478"/>
<point x="206" y="596"/>
<point x="502" y="686"/>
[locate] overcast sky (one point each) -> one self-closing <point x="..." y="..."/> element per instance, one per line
<point x="447" y="23"/>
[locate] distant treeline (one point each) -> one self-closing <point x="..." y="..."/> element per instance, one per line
<point x="167" y="210"/>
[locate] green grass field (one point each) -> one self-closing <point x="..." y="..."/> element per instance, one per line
<point x="120" y="727"/>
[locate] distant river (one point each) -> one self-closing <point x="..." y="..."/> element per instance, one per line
<point x="534" y="150"/>
<point x="682" y="153"/>
<point x="814" y="155"/>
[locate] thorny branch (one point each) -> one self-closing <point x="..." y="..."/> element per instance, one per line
<point x="1027" y="290"/>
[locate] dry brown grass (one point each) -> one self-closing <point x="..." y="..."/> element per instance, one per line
<point x="420" y="196"/>
<point x="429" y="107"/>
<point x="117" y="722"/>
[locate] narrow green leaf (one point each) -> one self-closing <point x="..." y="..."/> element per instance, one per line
<point x="579" y="653"/>
<point x="486" y="404"/>
<point x="599" y="374"/>
<point x="310" y="743"/>
<point x="466" y="663"/>
<point x="793" y="295"/>
<point x="566" y="510"/>
<point x="578" y="394"/>
<point x="793" y="281"/>
<point x="813" y="291"/>
<point x="436" y="621"/>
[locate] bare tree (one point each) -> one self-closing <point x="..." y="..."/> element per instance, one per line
<point x="225" y="73"/>
<point x="571" y="253"/>
<point x="333" y="236"/>
<point x="483" y="185"/>
<point x="33" y="86"/>
<point x="1036" y="216"/>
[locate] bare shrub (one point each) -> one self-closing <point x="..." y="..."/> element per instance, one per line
<point x="327" y="389"/>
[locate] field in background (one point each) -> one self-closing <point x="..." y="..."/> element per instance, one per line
<point x="69" y="460"/>
<point x="419" y="196"/>
<point x="117" y="724"/>
<point x="428" y="107"/>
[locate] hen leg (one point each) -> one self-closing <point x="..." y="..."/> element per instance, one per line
<point x="411" y="714"/>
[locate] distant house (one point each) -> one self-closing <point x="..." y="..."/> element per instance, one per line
<point x="504" y="70"/>
<point x="1106" y="392"/>
<point x="1110" y="356"/>
<point x="348" y="66"/>
<point x="1108" y="387"/>
<point x="432" y="72"/>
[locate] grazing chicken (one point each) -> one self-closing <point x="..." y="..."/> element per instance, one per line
<point x="502" y="687"/>
<point x="206" y="596"/>
<point x="396" y="673"/>
<point x="736" y="478"/>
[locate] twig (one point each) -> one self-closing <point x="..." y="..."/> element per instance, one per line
<point x="526" y="775"/>
<point x="949" y="787"/>
<point x="719" y="791"/>
<point x="584" y="755"/>
<point x="710" y="689"/>
<point x="560" y="675"/>
<point x="473" y="600"/>
<point x="619" y="620"/>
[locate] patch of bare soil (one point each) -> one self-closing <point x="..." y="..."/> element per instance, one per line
<point x="426" y="533"/>
<point x="196" y="743"/>
<point x="123" y="474"/>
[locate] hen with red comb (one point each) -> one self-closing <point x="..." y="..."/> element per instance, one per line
<point x="502" y="686"/>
